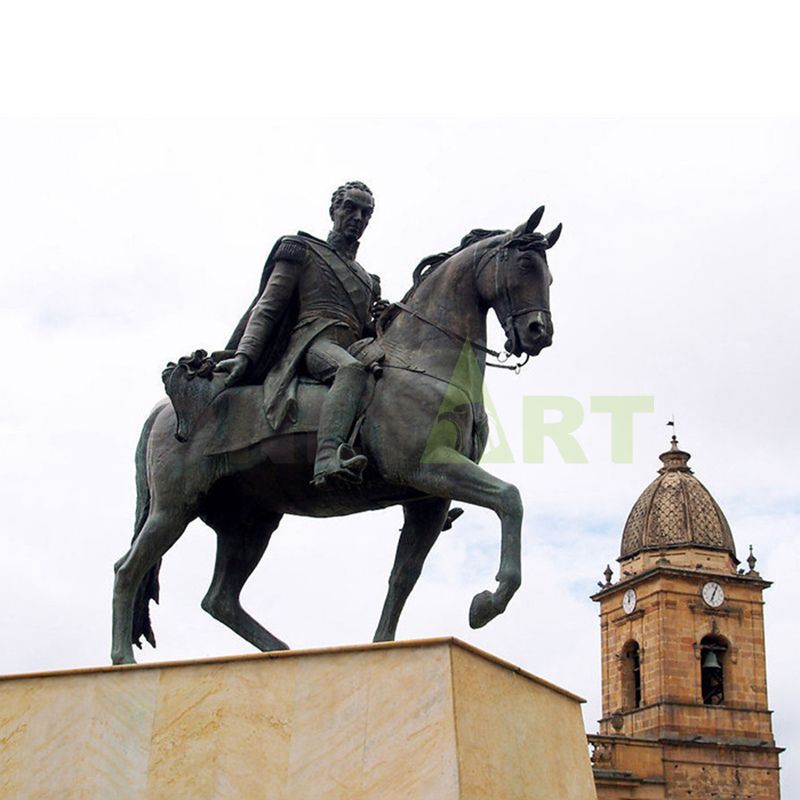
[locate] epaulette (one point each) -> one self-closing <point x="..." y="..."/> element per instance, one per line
<point x="290" y="249"/>
<point x="316" y="239"/>
<point x="313" y="241"/>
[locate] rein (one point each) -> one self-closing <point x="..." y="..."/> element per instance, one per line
<point x="501" y="357"/>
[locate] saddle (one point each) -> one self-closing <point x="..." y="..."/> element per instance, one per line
<point x="222" y="420"/>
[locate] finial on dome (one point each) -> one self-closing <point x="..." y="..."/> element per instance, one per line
<point x="671" y="424"/>
<point x="675" y="458"/>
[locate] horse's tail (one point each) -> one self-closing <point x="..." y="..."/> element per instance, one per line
<point x="148" y="588"/>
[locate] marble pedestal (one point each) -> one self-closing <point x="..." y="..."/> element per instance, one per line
<point x="425" y="720"/>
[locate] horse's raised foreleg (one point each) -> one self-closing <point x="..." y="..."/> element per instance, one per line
<point x="240" y="546"/>
<point x="449" y="474"/>
<point x="423" y="524"/>
<point x="161" y="530"/>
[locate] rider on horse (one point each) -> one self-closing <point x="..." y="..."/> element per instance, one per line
<point x="315" y="301"/>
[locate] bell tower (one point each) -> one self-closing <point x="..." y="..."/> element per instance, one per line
<point x="685" y="712"/>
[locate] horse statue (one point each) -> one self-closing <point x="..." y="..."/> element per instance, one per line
<point x="423" y="429"/>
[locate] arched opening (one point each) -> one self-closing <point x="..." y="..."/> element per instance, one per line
<point x="632" y="675"/>
<point x="712" y="670"/>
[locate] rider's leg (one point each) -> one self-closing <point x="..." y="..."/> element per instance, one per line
<point x="328" y="361"/>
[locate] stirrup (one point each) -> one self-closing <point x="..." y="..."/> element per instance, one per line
<point x="346" y="465"/>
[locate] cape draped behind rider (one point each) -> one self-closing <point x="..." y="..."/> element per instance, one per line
<point x="280" y="339"/>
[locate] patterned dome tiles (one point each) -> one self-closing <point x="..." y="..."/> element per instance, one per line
<point x="674" y="510"/>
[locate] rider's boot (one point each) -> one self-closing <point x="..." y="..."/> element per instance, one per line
<point x="335" y="458"/>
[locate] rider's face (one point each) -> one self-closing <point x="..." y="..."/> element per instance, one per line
<point x="351" y="215"/>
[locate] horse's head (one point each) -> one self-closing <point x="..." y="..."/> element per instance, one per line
<point x="514" y="279"/>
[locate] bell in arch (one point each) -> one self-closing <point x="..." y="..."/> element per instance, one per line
<point x="710" y="661"/>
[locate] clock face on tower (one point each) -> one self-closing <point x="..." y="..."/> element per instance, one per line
<point x="713" y="595"/>
<point x="629" y="601"/>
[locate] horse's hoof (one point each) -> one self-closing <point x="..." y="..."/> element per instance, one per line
<point x="481" y="610"/>
<point x="122" y="660"/>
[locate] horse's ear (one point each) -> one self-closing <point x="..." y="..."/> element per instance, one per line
<point x="534" y="220"/>
<point x="552" y="237"/>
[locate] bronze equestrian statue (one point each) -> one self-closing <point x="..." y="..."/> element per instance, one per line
<point x="402" y="422"/>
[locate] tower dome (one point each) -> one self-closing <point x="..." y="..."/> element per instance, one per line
<point x="676" y="511"/>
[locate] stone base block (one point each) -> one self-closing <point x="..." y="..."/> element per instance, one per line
<point x="425" y="720"/>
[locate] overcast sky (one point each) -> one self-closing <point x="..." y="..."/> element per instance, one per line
<point x="148" y="164"/>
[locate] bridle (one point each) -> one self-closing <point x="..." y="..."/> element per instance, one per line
<point x="506" y="314"/>
<point x="505" y="309"/>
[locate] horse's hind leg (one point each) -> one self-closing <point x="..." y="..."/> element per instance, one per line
<point x="423" y="524"/>
<point x="161" y="530"/>
<point x="240" y="546"/>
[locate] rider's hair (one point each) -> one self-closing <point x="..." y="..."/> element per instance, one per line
<point x="338" y="196"/>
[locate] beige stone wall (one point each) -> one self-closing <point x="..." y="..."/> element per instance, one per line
<point x="640" y="769"/>
<point x="640" y="757"/>
<point x="721" y="772"/>
<point x="669" y="622"/>
<point x="627" y="769"/>
<point x="671" y="719"/>
<point x="687" y="557"/>
<point x="622" y="789"/>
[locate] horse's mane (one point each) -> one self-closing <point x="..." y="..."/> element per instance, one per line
<point x="430" y="263"/>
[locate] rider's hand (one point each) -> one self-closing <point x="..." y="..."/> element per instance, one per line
<point x="235" y="367"/>
<point x="378" y="307"/>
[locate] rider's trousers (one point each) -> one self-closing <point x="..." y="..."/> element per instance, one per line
<point x="328" y="361"/>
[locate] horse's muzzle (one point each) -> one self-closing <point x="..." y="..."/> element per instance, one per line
<point x="530" y="333"/>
